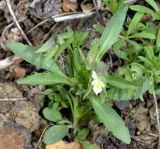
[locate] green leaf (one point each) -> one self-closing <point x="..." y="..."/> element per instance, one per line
<point x="112" y="31"/>
<point x="153" y="4"/>
<point x="55" y="133"/>
<point x="145" y="10"/>
<point x="89" y="146"/>
<point x="66" y="35"/>
<point x="143" y="35"/>
<point x="146" y="61"/>
<point x="79" y="38"/>
<point x="82" y="135"/>
<point x="77" y="60"/>
<point x="64" y="46"/>
<point x="158" y="38"/>
<point x="47" y="45"/>
<point x="117" y="49"/>
<point x="112" y="5"/>
<point x="134" y="22"/>
<point x="112" y="121"/>
<point x="137" y="68"/>
<point x="51" y="53"/>
<point x="121" y="83"/>
<point x="52" y="114"/>
<point x="99" y="28"/>
<point x="29" y="54"/>
<point x="120" y="94"/>
<point x="149" y="52"/>
<point x="91" y="57"/>
<point x="135" y="44"/>
<point x="141" y="9"/>
<point x="130" y="94"/>
<point x="44" y="79"/>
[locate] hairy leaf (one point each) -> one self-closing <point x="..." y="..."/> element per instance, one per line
<point x="121" y="83"/>
<point x="134" y="22"/>
<point x="153" y="4"/>
<point x="143" y="35"/>
<point x="28" y="53"/>
<point x="111" y="31"/>
<point x="112" y="121"/>
<point x="44" y="79"/>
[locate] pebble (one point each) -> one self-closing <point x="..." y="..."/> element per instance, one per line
<point x="26" y="114"/>
<point x="13" y="136"/>
<point x="9" y="90"/>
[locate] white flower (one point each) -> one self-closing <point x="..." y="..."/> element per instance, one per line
<point x="98" y="85"/>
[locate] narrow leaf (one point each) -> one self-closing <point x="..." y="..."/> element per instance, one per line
<point x="158" y="38"/>
<point x="29" y="54"/>
<point x="121" y="83"/>
<point x="146" y="61"/>
<point x="99" y="28"/>
<point x="112" y="121"/>
<point x="149" y="52"/>
<point x="82" y="135"/>
<point x="143" y="35"/>
<point x="47" y="45"/>
<point x="134" y="22"/>
<point x="44" y="79"/>
<point x="112" y="30"/>
<point x="135" y="44"/>
<point x="89" y="146"/>
<point x="153" y="4"/>
<point x="141" y="9"/>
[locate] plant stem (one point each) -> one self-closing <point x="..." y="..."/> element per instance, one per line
<point x="157" y="116"/>
<point x="75" y="124"/>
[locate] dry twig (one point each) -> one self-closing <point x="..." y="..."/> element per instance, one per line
<point x="157" y="117"/>
<point x="63" y="17"/>
<point x="3" y="33"/>
<point x="39" y="24"/>
<point x="42" y="135"/>
<point x="16" y="22"/>
<point x="13" y="99"/>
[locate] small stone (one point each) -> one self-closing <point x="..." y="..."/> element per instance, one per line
<point x="10" y="139"/>
<point x="20" y="72"/>
<point x="22" y="132"/>
<point x="13" y="136"/>
<point x="122" y="105"/>
<point x="63" y="145"/>
<point x="9" y="90"/>
<point x="70" y="5"/>
<point x="26" y="114"/>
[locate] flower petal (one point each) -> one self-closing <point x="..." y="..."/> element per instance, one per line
<point x="94" y="75"/>
<point x="94" y="82"/>
<point x="97" y="90"/>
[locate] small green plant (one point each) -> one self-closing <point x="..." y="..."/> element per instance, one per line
<point x="78" y="81"/>
<point x="113" y="5"/>
<point x="155" y="12"/>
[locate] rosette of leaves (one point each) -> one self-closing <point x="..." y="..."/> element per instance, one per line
<point x="69" y="85"/>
